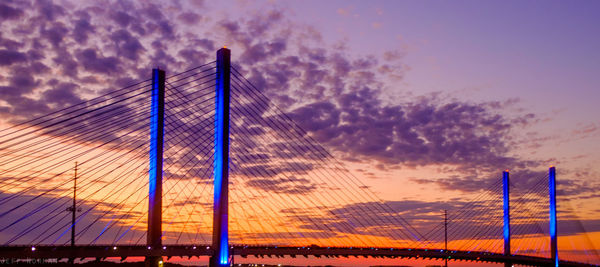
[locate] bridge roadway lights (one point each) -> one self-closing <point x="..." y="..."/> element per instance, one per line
<point x="104" y="252"/>
<point x="153" y="261"/>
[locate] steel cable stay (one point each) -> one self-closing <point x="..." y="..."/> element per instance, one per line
<point x="81" y="129"/>
<point x="268" y="173"/>
<point x="324" y="153"/>
<point x="284" y="131"/>
<point x="30" y="123"/>
<point x="254" y="133"/>
<point x="62" y="184"/>
<point x="68" y="149"/>
<point x="194" y="106"/>
<point x="271" y="140"/>
<point x="286" y="176"/>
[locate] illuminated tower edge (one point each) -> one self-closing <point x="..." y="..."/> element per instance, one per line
<point x="553" y="221"/>
<point x="221" y="161"/>
<point x="155" y="170"/>
<point x="506" y="208"/>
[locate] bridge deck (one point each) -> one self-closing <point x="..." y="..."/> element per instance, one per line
<point x="105" y="251"/>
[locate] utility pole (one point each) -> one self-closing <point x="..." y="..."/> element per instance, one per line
<point x="73" y="209"/>
<point x="446" y="236"/>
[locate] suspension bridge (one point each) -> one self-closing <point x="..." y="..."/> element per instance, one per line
<point x="203" y="163"/>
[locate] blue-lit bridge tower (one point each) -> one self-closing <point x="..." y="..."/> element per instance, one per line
<point x="220" y="241"/>
<point x="155" y="170"/>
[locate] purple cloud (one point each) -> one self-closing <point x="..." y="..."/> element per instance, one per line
<point x="8" y="12"/>
<point x="337" y="98"/>
<point x="10" y="57"/>
<point x="91" y="61"/>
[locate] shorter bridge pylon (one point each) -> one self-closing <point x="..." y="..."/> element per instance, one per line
<point x="506" y="208"/>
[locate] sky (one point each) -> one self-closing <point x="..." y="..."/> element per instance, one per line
<point x="425" y="103"/>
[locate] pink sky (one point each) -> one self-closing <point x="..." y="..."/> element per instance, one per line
<point x="424" y="102"/>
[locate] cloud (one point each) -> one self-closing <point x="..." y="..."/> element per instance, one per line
<point x="121" y="18"/>
<point x="415" y="134"/>
<point x="10" y="57"/>
<point x="391" y="219"/>
<point x="91" y="61"/>
<point x="55" y="34"/>
<point x="338" y="99"/>
<point x="335" y="97"/>
<point x="44" y="220"/>
<point x="83" y="28"/>
<point x="127" y="45"/>
<point x="289" y="185"/>
<point x="8" y="12"/>
<point x="62" y="94"/>
<point x="482" y="218"/>
<point x="523" y="181"/>
<point x="49" y="10"/>
<point x="189" y="18"/>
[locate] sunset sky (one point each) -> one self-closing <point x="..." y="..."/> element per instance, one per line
<point x="424" y="102"/>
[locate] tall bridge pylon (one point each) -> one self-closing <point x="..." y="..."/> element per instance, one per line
<point x="221" y="165"/>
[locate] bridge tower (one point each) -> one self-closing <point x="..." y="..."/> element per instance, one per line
<point x="553" y="221"/>
<point x="157" y="118"/>
<point x="506" y="206"/>
<point x="220" y="239"/>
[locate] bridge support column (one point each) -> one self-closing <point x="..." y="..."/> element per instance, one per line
<point x="220" y="242"/>
<point x="506" y="198"/>
<point x="553" y="221"/>
<point x="157" y="117"/>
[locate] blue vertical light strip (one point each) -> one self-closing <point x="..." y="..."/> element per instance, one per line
<point x="153" y="141"/>
<point x="553" y="221"/>
<point x="218" y="166"/>
<point x="155" y="170"/>
<point x="221" y="158"/>
<point x="506" y="197"/>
